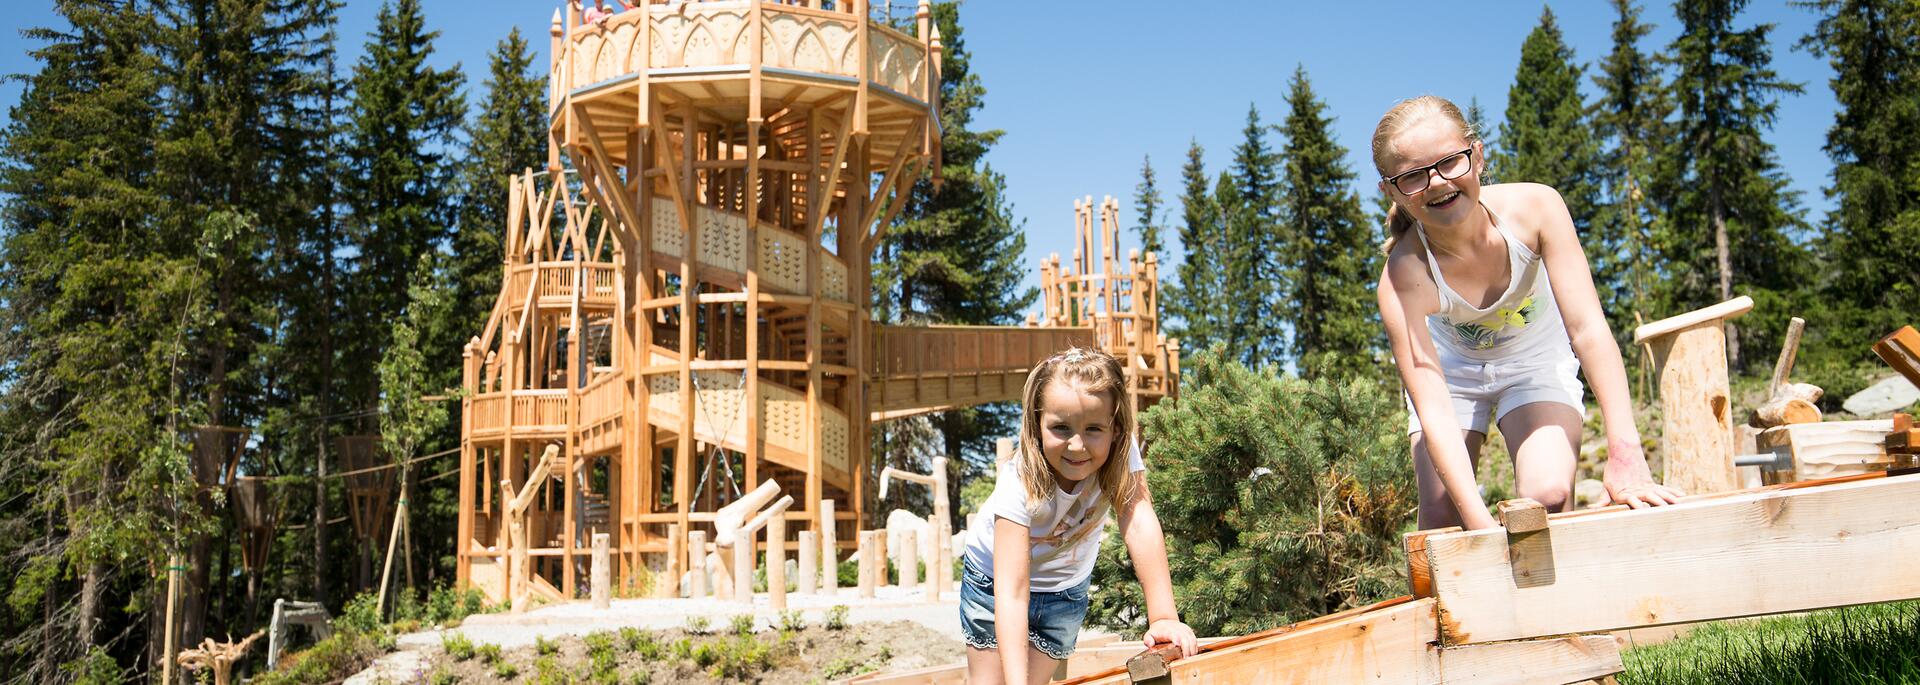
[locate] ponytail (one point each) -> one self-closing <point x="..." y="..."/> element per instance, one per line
<point x="1397" y="224"/>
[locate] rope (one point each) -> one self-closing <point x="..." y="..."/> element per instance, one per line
<point x="731" y="422"/>
<point x="409" y="462"/>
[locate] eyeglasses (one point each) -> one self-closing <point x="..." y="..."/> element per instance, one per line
<point x="1449" y="167"/>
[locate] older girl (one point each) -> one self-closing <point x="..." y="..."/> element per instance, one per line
<point x="1491" y="313"/>
<point x="1030" y="557"/>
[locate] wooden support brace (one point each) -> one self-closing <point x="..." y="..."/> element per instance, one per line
<point x="1529" y="547"/>
<point x="1901" y="350"/>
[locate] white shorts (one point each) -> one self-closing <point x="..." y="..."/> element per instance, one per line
<point x="1483" y="392"/>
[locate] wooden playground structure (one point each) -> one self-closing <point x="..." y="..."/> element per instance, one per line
<point x="683" y="316"/>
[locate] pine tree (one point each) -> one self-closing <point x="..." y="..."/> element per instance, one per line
<point x="1331" y="305"/>
<point x="953" y="255"/>
<point x="1730" y="229"/>
<point x="1256" y="248"/>
<point x="1263" y="526"/>
<point x="1874" y="49"/>
<point x="1193" y="303"/>
<point x="504" y="139"/>
<point x="1477" y="120"/>
<point x="401" y="118"/>
<point x="96" y="311"/>
<point x="1545" y="138"/>
<point x="1146" y="207"/>
<point x="1629" y="120"/>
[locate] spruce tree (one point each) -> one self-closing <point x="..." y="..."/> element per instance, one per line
<point x="1193" y="303"/>
<point x="1730" y="229"/>
<point x="1874" y="49"/>
<point x="954" y="253"/>
<point x="1544" y="137"/>
<point x="1331" y="305"/>
<point x="1629" y="120"/>
<point x="96" y="305"/>
<point x="1146" y="208"/>
<point x="1477" y="120"/>
<point x="505" y="138"/>
<point x="401" y="118"/>
<point x="1256" y="248"/>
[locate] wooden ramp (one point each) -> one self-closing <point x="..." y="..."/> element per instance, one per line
<point x="1509" y="606"/>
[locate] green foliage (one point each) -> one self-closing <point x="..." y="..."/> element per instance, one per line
<point x="489" y="653"/>
<point x="1196" y="304"/>
<point x="1281" y="499"/>
<point x="1545" y="137"/>
<point x="98" y="668"/>
<point x="505" y="670"/>
<point x="506" y="135"/>
<point x="1629" y="120"/>
<point x="442" y="676"/>
<point x="361" y="614"/>
<point x="547" y="671"/>
<point x="346" y="652"/>
<point x="792" y="620"/>
<point x="836" y="617"/>
<point x="448" y="605"/>
<point x="698" y="625"/>
<point x="1330" y="305"/>
<point x="642" y="643"/>
<point x="456" y="645"/>
<point x="741" y="658"/>
<point x="1866" y="644"/>
<point x="682" y="648"/>
<point x="544" y="646"/>
<point x="1257" y="272"/>
<point x="1146" y="210"/>
<point x="741" y="625"/>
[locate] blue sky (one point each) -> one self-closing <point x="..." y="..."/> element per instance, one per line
<point x="1084" y="90"/>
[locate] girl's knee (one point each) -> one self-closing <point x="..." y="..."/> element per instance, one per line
<point x="1554" y="496"/>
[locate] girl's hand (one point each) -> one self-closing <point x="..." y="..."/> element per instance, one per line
<point x="1629" y="481"/>
<point x="1172" y="630"/>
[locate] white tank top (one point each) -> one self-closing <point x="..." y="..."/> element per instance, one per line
<point x="1523" y="322"/>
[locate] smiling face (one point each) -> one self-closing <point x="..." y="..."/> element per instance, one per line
<point x="1076" y="432"/>
<point x="1425" y="141"/>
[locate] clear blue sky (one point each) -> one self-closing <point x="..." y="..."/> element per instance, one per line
<point x="1084" y="90"/>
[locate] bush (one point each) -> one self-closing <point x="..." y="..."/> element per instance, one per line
<point x="682" y="648"/>
<point x="792" y="620"/>
<point x="505" y="670"/>
<point x="442" y="676"/>
<point x="457" y="646"/>
<point x="741" y="658"/>
<point x="741" y="625"/>
<point x="1281" y="500"/>
<point x="489" y="653"/>
<point x="97" y="668"/>
<point x="361" y="614"/>
<point x="836" y="617"/>
<point x="343" y="654"/>
<point x="698" y="625"/>
<point x="446" y="605"/>
<point x="545" y="647"/>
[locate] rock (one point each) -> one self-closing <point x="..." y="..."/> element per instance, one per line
<point x="901" y="520"/>
<point x="1892" y="393"/>
<point x="1590" y="493"/>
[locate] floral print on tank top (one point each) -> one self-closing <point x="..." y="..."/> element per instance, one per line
<point x="1486" y="334"/>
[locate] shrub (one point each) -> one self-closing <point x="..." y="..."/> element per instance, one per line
<point x="599" y="642"/>
<point x="698" y="625"/>
<point x="505" y="670"/>
<point x="489" y="653"/>
<point x="446" y="605"/>
<point x="792" y="620"/>
<point x="442" y="676"/>
<point x="361" y="614"/>
<point x="741" y="625"/>
<point x="343" y="654"/>
<point x="97" y="668"/>
<point x="545" y="647"/>
<point x="741" y="658"/>
<point x="836" y="617"/>
<point x="456" y="645"/>
<point x="683" y="649"/>
<point x="547" y="671"/>
<point x="1281" y="500"/>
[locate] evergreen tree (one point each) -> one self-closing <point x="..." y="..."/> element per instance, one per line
<point x="1264" y="526"/>
<point x="1545" y="138"/>
<point x="1730" y="228"/>
<point x="1146" y="206"/>
<point x="953" y="255"/>
<point x="1256" y="247"/>
<point x="505" y="137"/>
<point x="1193" y="303"/>
<point x="1629" y="119"/>
<point x="1331" y="306"/>
<point x="401" y="118"/>
<point x="1874" y="49"/>
<point x="96" y="312"/>
<point x="1477" y="120"/>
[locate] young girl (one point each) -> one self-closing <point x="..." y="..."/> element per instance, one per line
<point x="1487" y="300"/>
<point x="1030" y="557"/>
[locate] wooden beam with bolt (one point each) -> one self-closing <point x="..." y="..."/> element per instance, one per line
<point x="1690" y="351"/>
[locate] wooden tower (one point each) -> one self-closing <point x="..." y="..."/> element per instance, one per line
<point x="683" y="312"/>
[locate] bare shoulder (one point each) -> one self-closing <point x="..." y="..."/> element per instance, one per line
<point x="1407" y="275"/>
<point x="1527" y="209"/>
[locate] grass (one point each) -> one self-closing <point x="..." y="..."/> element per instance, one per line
<point x="1867" y="644"/>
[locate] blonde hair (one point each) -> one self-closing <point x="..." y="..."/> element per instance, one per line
<point x="1098" y="373"/>
<point x="1403" y="115"/>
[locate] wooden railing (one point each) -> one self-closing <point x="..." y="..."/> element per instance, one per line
<point x="540" y="408"/>
<point x="556" y="281"/>
<point x="602" y="399"/>
<point x="917" y="351"/>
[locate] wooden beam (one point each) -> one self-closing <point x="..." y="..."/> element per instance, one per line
<point x="1765" y="551"/>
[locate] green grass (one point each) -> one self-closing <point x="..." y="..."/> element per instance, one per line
<point x="1869" y="645"/>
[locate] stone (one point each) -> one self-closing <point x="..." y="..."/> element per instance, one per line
<point x="1891" y="394"/>
<point x="1590" y="493"/>
<point x="900" y="521"/>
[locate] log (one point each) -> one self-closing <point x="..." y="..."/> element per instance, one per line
<point x="1690" y="352"/>
<point x="1778" y="549"/>
<point x="777" y="562"/>
<point x="866" y="564"/>
<point x="1831" y="448"/>
<point x="675" y="552"/>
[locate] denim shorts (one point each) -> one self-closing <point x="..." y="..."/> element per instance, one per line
<point x="1053" y="618"/>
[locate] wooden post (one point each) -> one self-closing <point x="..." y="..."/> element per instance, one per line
<point x="809" y="563"/>
<point x="743" y="566"/>
<point x="671" y="587"/>
<point x="777" y="562"/>
<point x="602" y="576"/>
<point x="880" y="558"/>
<point x="1697" y="439"/>
<point x="829" y="550"/>
<point x="909" y="561"/>
<point x="866" y="564"/>
<point x="173" y="598"/>
<point x="697" y="563"/>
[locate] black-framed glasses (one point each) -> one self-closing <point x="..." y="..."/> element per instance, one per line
<point x="1449" y="167"/>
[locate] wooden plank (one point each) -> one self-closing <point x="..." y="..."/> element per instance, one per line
<point x="1572" y="659"/>
<point x="1901" y="350"/>
<point x="1725" y="310"/>
<point x="1384" y="644"/>
<point x="1760" y="552"/>
<point x="1832" y="448"/>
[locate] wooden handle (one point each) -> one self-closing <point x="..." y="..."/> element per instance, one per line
<point x="1901" y="350"/>
<point x="1153" y="663"/>
<point x="1788" y="349"/>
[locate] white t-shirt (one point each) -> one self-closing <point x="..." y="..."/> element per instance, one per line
<point x="1059" y="519"/>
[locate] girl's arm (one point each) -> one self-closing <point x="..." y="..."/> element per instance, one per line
<point x="1628" y="479"/>
<point x="1012" y="560"/>
<point x="1147" y="546"/>
<point x="1407" y="295"/>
